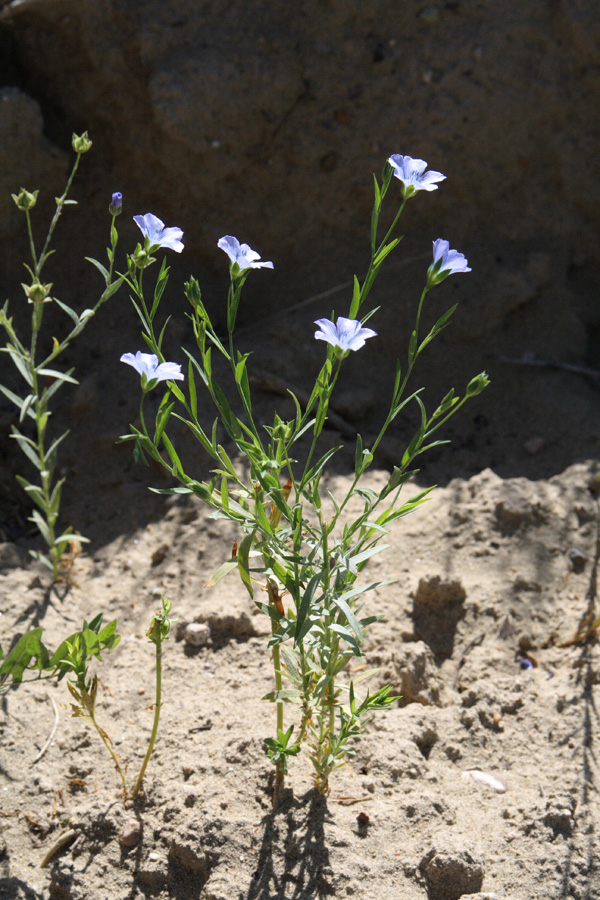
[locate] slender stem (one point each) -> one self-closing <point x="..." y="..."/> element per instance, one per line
<point x="322" y="413"/>
<point x="31" y="241"/>
<point x="157" y="704"/>
<point x="55" y="218"/>
<point x="279" y="773"/>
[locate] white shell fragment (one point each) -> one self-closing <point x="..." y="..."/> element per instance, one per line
<point x="484" y="778"/>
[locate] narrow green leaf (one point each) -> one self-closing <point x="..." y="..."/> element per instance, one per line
<point x="243" y="560"/>
<point x="303" y="623"/>
<point x="385" y="251"/>
<point x="354" y="306"/>
<point x="60" y="376"/>
<point x="223" y="570"/>
<point x="192" y="390"/>
<point x="21" y="364"/>
<point x="14" y="398"/>
<point x="288" y="695"/>
<point x="42" y="527"/>
<point x="27" y="446"/>
<point x="70" y="312"/>
<point x="99" y="266"/>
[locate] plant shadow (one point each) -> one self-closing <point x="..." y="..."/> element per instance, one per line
<point x="293" y="860"/>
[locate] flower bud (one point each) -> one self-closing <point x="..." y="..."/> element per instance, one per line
<point x="116" y="204"/>
<point x="141" y="257"/>
<point x="81" y="142"/>
<point x="282" y="431"/>
<point x="37" y="292"/>
<point x="193" y="292"/>
<point x="477" y="384"/>
<point x="24" y="199"/>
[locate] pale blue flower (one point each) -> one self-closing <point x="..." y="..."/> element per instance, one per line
<point x="241" y="255"/>
<point x="158" y="235"/>
<point x="445" y="262"/>
<point x="147" y="365"/>
<point x="411" y="172"/>
<point x="347" y="334"/>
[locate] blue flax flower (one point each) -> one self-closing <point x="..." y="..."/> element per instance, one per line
<point x="345" y="334"/>
<point x="411" y="172"/>
<point x="445" y="262"/>
<point x="151" y="370"/>
<point x="158" y="235"/>
<point x="241" y="255"/>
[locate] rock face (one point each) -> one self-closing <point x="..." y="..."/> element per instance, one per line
<point x="222" y="112"/>
<point x="266" y="123"/>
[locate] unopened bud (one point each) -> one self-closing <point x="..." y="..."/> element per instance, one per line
<point x="81" y="142"/>
<point x="141" y="257"/>
<point x="25" y="199"/>
<point x="477" y="384"/>
<point x="193" y="292"/>
<point x="282" y="431"/>
<point x="116" y="204"/>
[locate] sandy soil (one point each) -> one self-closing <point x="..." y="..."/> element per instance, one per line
<point x="489" y="574"/>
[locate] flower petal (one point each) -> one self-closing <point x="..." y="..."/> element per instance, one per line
<point x="143" y="363"/>
<point x="169" y="371"/>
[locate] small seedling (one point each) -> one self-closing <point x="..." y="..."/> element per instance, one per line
<point x="72" y="659"/>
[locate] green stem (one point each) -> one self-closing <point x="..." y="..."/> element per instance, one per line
<point x="31" y="242"/>
<point x="279" y="773"/>
<point x="157" y="704"/>
<point x="59" y="208"/>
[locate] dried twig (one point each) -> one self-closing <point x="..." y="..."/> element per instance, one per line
<point x="551" y="364"/>
<point x="65" y="838"/>
<point x="52" y="731"/>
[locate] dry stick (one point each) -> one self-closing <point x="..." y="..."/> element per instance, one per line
<point x="52" y="731"/>
<point x="550" y="364"/>
<point x="476" y="640"/>
<point x="62" y="841"/>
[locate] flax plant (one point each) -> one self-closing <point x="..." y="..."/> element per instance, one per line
<point x="35" y="358"/>
<point x="307" y="555"/>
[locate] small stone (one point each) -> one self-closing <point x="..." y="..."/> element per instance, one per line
<point x="131" y="833"/>
<point x="197" y="634"/>
<point x="159" y="554"/>
<point x="449" y="873"/>
<point x="577" y="559"/>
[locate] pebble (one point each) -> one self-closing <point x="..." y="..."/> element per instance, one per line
<point x="449" y="872"/>
<point x="131" y="833"/>
<point x="577" y="559"/>
<point x="197" y="634"/>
